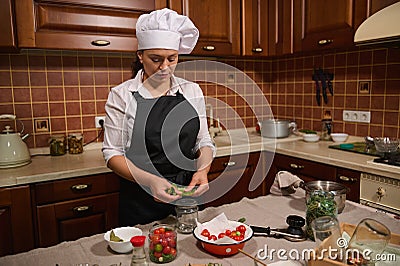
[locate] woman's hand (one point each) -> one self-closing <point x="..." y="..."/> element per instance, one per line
<point x="159" y="187"/>
<point x="199" y="178"/>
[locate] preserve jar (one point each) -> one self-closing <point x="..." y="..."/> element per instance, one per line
<point x="58" y="145"/>
<point x="162" y="243"/>
<point x="75" y="143"/>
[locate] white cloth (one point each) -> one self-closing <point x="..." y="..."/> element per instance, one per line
<point x="121" y="111"/>
<point x="285" y="183"/>
<point x="166" y="29"/>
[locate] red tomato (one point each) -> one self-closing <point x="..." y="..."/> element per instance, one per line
<point x="205" y="233"/>
<point x="167" y="250"/>
<point x="228" y="232"/>
<point x="157" y="254"/>
<point x="162" y="230"/>
<point x="212" y="238"/>
<point x="241" y="237"/>
<point x="156" y="239"/>
<point x="221" y="235"/>
<point x="241" y="228"/>
<point x="156" y="231"/>
<point x="173" y="252"/>
<point x="169" y="234"/>
<point x="164" y="242"/>
<point x="172" y="243"/>
<point x="237" y="238"/>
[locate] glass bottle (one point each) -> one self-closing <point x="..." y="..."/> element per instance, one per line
<point x="326" y="129"/>
<point x="138" y="254"/>
<point x="186" y="215"/>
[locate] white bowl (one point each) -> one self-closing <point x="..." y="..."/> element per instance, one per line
<point x="125" y="233"/>
<point x="339" y="137"/>
<point x="310" y="137"/>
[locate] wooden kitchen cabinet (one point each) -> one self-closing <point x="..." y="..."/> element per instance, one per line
<point x="80" y="24"/>
<point x="16" y="226"/>
<point x="218" y="23"/>
<point x="224" y="170"/>
<point x="312" y="171"/>
<point x="8" y="41"/>
<point x="319" y="25"/>
<point x="73" y="208"/>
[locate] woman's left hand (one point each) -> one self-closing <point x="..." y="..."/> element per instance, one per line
<point x="199" y="179"/>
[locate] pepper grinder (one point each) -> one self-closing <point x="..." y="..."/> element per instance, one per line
<point x="326" y="129"/>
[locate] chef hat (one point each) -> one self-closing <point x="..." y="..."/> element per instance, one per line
<point x="166" y="29"/>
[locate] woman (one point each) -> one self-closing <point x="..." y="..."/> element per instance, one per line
<point x="156" y="129"/>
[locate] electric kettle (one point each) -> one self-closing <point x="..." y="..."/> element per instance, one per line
<point x="13" y="150"/>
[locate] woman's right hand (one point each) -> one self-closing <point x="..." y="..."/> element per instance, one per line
<point x="159" y="187"/>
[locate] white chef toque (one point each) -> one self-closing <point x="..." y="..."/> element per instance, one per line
<point x="166" y="29"/>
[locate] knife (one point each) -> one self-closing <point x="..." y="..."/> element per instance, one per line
<point x="322" y="78"/>
<point x="318" y="92"/>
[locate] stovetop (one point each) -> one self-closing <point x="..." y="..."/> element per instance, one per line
<point x="362" y="148"/>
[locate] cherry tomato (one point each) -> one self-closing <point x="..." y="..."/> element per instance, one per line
<point x="157" y="254"/>
<point x="237" y="233"/>
<point x="173" y="252"/>
<point x="162" y="230"/>
<point x="237" y="238"/>
<point x="172" y="243"/>
<point x="166" y="250"/>
<point x="156" y="239"/>
<point x="205" y="233"/>
<point x="212" y="238"/>
<point x="156" y="231"/>
<point x="241" y="237"/>
<point x="228" y="232"/>
<point x="221" y="235"/>
<point x="164" y="242"/>
<point x="158" y="248"/>
<point x="169" y="234"/>
<point x="241" y="228"/>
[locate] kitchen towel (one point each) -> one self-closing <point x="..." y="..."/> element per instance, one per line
<point x="285" y="183"/>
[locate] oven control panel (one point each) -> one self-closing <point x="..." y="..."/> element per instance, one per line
<point x="380" y="192"/>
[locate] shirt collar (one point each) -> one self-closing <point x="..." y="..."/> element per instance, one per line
<point x="137" y="85"/>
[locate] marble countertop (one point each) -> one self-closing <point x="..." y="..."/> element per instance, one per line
<point x="45" y="168"/>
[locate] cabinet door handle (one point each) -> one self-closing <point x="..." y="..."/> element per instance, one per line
<point x="257" y="50"/>
<point x="325" y="42"/>
<point x="100" y="43"/>
<point x="295" y="166"/>
<point x="81" y="187"/>
<point x="347" y="179"/>
<point x="209" y="48"/>
<point x="230" y="164"/>
<point x="81" y="209"/>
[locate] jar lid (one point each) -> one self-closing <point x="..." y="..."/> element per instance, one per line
<point x="186" y="202"/>
<point x="138" y="241"/>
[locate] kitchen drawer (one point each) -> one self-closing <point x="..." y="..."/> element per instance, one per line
<point x="306" y="170"/>
<point x="70" y="220"/>
<point x="232" y="162"/>
<point x="350" y="179"/>
<point x="74" y="188"/>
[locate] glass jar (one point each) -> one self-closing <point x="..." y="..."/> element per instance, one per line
<point x="162" y="243"/>
<point x="75" y="143"/>
<point x="186" y="215"/>
<point x="326" y="129"/>
<point x="320" y="203"/>
<point x="58" y="145"/>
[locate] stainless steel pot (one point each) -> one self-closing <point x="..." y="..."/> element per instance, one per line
<point x="14" y="151"/>
<point x="274" y="128"/>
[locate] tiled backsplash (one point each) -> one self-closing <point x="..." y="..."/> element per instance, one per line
<point x="70" y="88"/>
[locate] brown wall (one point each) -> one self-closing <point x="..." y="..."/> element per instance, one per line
<point x="71" y="88"/>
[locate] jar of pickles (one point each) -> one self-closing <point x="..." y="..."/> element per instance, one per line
<point x="58" y="145"/>
<point x="162" y="243"/>
<point x="75" y="143"/>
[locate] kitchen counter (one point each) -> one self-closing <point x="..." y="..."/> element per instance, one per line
<point x="44" y="168"/>
<point x="268" y="210"/>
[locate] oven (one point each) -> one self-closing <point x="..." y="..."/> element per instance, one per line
<point x="380" y="192"/>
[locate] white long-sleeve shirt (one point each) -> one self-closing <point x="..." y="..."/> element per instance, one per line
<point x="121" y="110"/>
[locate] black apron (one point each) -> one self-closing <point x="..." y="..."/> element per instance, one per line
<point x="163" y="140"/>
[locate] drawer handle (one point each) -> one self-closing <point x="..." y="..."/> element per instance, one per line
<point x="257" y="50"/>
<point x="295" y="166"/>
<point x="209" y="48"/>
<point x="81" y="209"/>
<point x="228" y="164"/>
<point x="81" y="187"/>
<point x="347" y="179"/>
<point x="100" y="43"/>
<point x="325" y="42"/>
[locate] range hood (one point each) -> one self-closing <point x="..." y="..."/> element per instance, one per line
<point x="383" y="27"/>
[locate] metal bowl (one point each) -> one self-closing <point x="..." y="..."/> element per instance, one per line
<point x="339" y="191"/>
<point x="386" y="144"/>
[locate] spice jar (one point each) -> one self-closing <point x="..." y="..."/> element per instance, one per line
<point x="162" y="246"/>
<point x="58" y="145"/>
<point x="320" y="203"/>
<point x="75" y="143"/>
